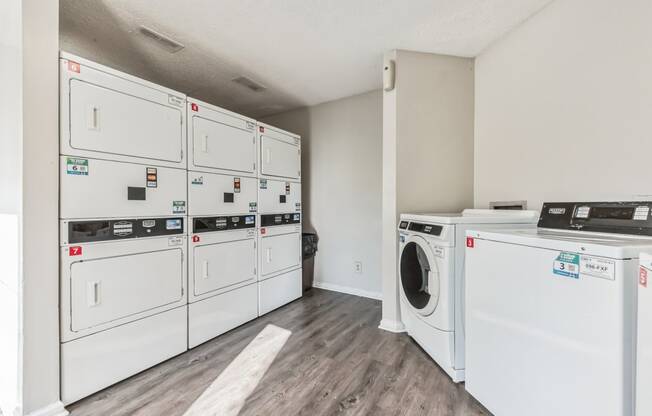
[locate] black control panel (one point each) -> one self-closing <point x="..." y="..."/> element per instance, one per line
<point x="105" y="230"/>
<point x="605" y="217"/>
<point x="207" y="224"/>
<point x="403" y="225"/>
<point x="425" y="228"/>
<point x="279" y="219"/>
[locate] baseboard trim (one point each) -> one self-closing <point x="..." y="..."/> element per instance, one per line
<point x="54" y="409"/>
<point x="348" y="290"/>
<point x="391" y="325"/>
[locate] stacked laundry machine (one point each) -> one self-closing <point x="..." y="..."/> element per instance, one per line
<point x="222" y="196"/>
<point x="123" y="226"/>
<point x="279" y="209"/>
<point x="179" y="221"/>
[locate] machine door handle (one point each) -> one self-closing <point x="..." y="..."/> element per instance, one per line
<point x="268" y="155"/>
<point x="93" y="117"/>
<point x="93" y="290"/>
<point x="205" y="269"/>
<point x="204" y="146"/>
<point x="269" y="255"/>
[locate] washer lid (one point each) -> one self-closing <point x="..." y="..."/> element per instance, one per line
<point x="476" y="216"/>
<point x="616" y="246"/>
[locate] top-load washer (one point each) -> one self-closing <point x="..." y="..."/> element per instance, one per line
<point x="431" y="271"/>
<point x="550" y="312"/>
<point x="107" y="114"/>
<point x="644" y="338"/>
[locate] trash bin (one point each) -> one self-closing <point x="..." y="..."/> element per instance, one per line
<point x="309" y="245"/>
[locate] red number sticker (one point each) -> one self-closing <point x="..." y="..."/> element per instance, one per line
<point x="642" y="277"/>
<point x="263" y="231"/>
<point x="75" y="251"/>
<point x="74" y="67"/>
<point x="195" y="239"/>
<point x="194" y="107"/>
<point x="261" y="129"/>
<point x="470" y="242"/>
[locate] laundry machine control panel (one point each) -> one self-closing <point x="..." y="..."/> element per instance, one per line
<point x="431" y="229"/>
<point x="223" y="223"/>
<point x="279" y="219"/>
<point x="119" y="229"/>
<point x="629" y="217"/>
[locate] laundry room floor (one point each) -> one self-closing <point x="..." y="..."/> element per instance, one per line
<point x="320" y="355"/>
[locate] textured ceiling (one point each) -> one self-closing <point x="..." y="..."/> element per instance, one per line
<point x="304" y="51"/>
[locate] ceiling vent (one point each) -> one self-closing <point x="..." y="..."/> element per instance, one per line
<point x="166" y="42"/>
<point x="249" y="83"/>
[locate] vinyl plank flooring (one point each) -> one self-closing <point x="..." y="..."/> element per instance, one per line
<point x="335" y="362"/>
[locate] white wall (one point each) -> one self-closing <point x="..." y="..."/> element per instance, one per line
<point x="342" y="151"/>
<point x="427" y="150"/>
<point x="29" y="348"/>
<point x="564" y="106"/>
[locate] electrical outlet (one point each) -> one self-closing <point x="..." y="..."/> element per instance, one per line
<point x="357" y="267"/>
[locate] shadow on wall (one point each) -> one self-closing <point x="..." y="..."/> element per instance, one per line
<point x="298" y="121"/>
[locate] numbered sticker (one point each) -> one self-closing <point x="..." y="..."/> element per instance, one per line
<point x="567" y="265"/>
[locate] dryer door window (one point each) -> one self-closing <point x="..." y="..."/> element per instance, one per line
<point x="419" y="277"/>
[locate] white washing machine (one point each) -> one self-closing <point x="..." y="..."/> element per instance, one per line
<point x="279" y="260"/>
<point x="431" y="261"/>
<point x="222" y="270"/>
<point x="550" y="313"/>
<point x="123" y="299"/>
<point x="644" y="338"/>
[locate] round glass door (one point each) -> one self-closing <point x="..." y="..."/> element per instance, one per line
<point x="419" y="276"/>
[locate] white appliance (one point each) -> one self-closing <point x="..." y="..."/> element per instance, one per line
<point x="276" y="196"/>
<point x="107" y="114"/>
<point x="644" y="338"/>
<point x="123" y="299"/>
<point x="279" y="264"/>
<point x="222" y="273"/>
<point x="280" y="153"/>
<point x="220" y="141"/>
<point x="431" y="253"/>
<point x="550" y="313"/>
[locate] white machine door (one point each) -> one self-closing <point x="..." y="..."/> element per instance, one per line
<point x="279" y="196"/>
<point x="116" y="189"/>
<point x="221" y="145"/>
<point x="221" y="265"/>
<point x="110" y="121"/>
<point x="280" y="252"/>
<point x="419" y="274"/>
<point x="281" y="158"/>
<point x="108" y="289"/>
<point x="211" y="194"/>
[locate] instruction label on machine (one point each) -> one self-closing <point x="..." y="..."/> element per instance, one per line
<point x="598" y="267"/>
<point x="567" y="265"/>
<point x="178" y="207"/>
<point x="76" y="166"/>
<point x="263" y="184"/>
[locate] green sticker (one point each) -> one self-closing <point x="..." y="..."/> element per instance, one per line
<point x="178" y="207"/>
<point x="567" y="265"/>
<point x="75" y="166"/>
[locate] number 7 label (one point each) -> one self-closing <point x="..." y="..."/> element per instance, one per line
<point x="75" y="251"/>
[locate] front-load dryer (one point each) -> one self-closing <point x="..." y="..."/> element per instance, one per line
<point x="222" y="271"/>
<point x="431" y="274"/>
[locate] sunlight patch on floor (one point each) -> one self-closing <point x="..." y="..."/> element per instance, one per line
<point x="228" y="392"/>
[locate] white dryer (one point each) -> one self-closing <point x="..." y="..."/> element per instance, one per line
<point x="123" y="299"/>
<point x="222" y="269"/>
<point x="550" y="312"/>
<point x="431" y="261"/>
<point x="279" y="260"/>
<point x="280" y="154"/>
<point x="644" y="338"/>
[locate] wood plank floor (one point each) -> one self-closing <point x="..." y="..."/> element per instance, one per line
<point x="336" y="362"/>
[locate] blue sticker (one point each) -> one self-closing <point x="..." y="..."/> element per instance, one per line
<point x="567" y="265"/>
